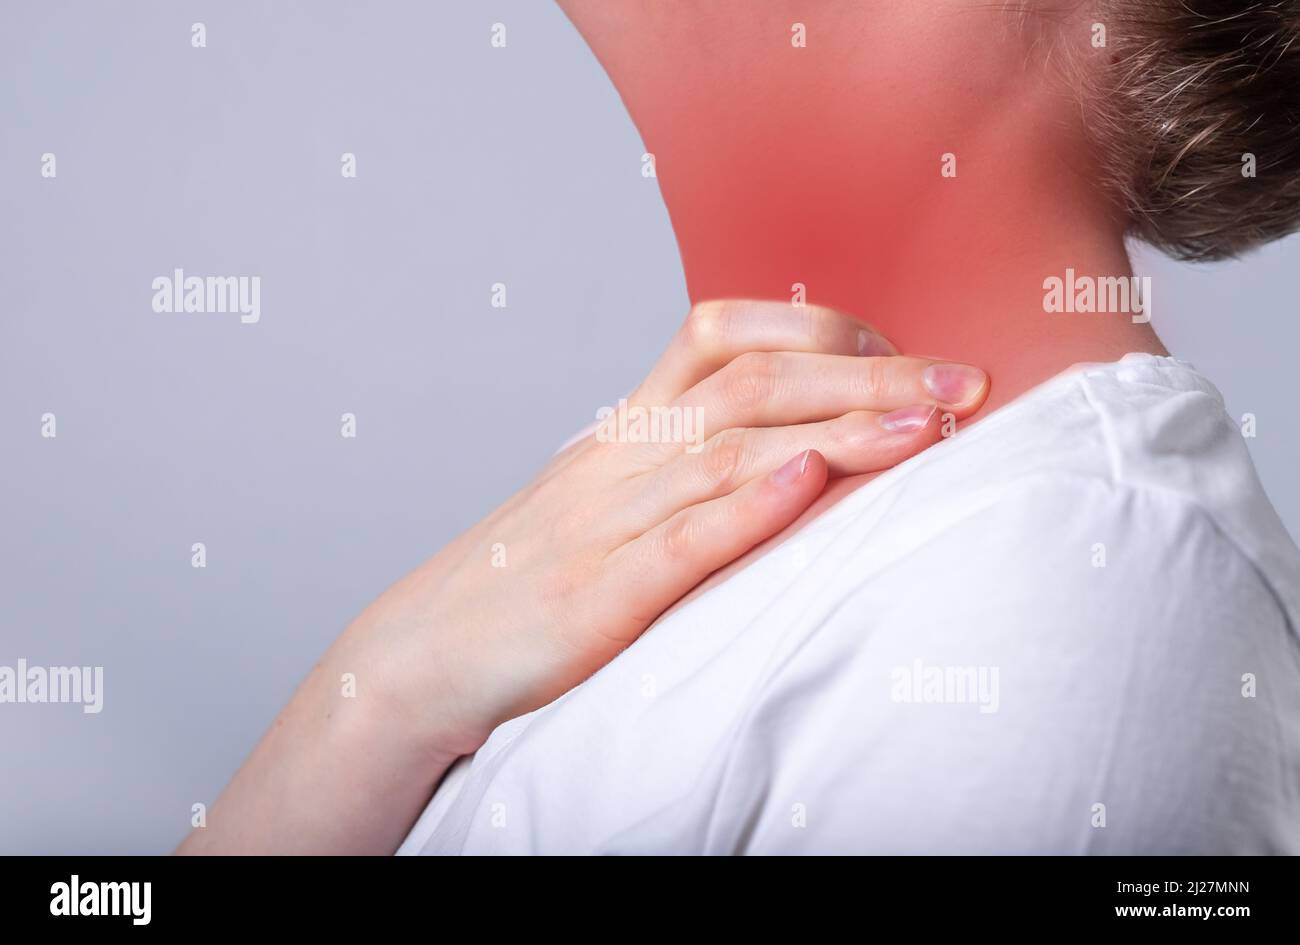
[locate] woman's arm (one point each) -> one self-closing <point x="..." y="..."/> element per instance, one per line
<point x="769" y="399"/>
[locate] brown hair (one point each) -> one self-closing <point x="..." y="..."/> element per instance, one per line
<point x="1190" y="91"/>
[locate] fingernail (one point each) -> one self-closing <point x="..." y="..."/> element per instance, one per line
<point x="792" y="470"/>
<point x="871" y="345"/>
<point x="954" y="383"/>
<point x="908" y="419"/>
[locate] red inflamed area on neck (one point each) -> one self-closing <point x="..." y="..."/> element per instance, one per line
<point x="784" y="185"/>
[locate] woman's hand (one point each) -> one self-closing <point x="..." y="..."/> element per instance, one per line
<point x="762" y="402"/>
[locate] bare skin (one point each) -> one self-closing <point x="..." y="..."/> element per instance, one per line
<point x="822" y="165"/>
<point x="822" y="171"/>
<point x="606" y="538"/>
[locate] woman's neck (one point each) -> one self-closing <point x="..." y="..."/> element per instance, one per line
<point x="823" y="167"/>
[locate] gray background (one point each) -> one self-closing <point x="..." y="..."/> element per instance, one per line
<point x="475" y="165"/>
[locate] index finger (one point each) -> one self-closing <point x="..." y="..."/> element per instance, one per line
<point x="719" y="331"/>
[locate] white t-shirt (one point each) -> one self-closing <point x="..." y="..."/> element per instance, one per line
<point x="1068" y="629"/>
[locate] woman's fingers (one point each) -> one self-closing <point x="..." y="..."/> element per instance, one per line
<point x="717" y="332"/>
<point x="661" y="565"/>
<point x="780" y="388"/>
<point x="858" y="442"/>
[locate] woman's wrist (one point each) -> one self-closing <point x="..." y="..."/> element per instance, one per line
<point x="345" y="768"/>
<point x="408" y="695"/>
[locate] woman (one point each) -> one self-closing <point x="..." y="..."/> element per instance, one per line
<point x="1068" y="628"/>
